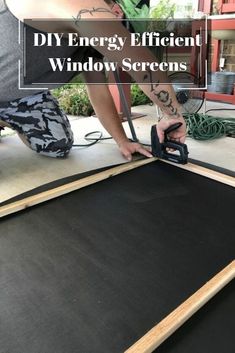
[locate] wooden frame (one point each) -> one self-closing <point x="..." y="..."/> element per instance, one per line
<point x="158" y="334"/>
<point x="79" y="184"/>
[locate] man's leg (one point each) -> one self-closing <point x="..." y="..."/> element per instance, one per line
<point x="22" y="137"/>
<point x="40" y="123"/>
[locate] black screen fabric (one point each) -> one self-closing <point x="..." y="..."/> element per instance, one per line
<point x="94" y="270"/>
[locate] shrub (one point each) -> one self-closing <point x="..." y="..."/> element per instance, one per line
<point x="138" y="97"/>
<point x="74" y="99"/>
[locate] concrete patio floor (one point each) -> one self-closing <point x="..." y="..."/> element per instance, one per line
<point x="22" y="170"/>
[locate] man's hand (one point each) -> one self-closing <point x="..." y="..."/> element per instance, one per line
<point x="128" y="148"/>
<point x="178" y="135"/>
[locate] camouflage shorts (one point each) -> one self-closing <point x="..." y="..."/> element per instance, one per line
<point x="40" y="120"/>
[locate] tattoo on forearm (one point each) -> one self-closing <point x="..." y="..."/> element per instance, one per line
<point x="169" y="104"/>
<point x="145" y="77"/>
<point x="163" y="96"/>
<point x="173" y="111"/>
<point x="91" y="12"/>
<point x="167" y="101"/>
<point x="150" y="79"/>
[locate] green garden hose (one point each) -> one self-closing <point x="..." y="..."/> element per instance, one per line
<point x="206" y="127"/>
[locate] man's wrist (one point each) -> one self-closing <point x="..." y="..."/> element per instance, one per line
<point x="166" y="116"/>
<point x="122" y="140"/>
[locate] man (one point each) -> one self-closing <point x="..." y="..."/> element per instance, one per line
<point x="36" y="116"/>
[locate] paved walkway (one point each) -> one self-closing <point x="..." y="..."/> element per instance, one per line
<point x="22" y="170"/>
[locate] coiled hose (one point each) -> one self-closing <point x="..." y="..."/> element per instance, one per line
<point x="206" y="127"/>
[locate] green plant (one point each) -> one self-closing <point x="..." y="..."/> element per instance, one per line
<point x="74" y="99"/>
<point x="163" y="12"/>
<point x="131" y="11"/>
<point x="138" y="97"/>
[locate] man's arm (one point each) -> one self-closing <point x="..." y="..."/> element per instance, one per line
<point x="103" y="104"/>
<point x="161" y="94"/>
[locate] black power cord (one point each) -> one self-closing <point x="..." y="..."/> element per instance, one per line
<point x="200" y="127"/>
<point x="95" y="140"/>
